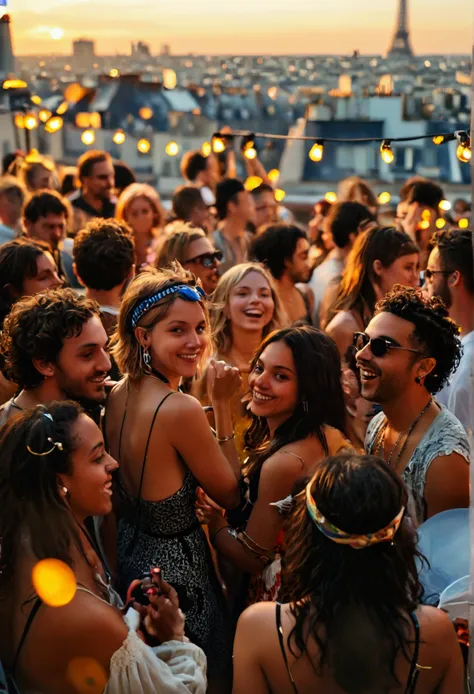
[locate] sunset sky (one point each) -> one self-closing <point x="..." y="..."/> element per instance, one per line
<point x="239" y="26"/>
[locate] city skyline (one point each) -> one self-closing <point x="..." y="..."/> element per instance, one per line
<point x="214" y="27"/>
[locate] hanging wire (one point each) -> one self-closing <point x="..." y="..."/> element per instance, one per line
<point x="447" y="137"/>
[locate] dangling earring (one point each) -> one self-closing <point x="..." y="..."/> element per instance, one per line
<point x="305" y="406"/>
<point x="146" y="358"/>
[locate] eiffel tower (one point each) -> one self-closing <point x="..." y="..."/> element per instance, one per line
<point x="401" y="38"/>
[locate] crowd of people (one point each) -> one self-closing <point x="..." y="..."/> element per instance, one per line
<point x="230" y="426"/>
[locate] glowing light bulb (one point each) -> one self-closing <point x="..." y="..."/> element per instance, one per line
<point x="279" y="195"/>
<point x="440" y="223"/>
<point x="206" y="149"/>
<point x="464" y="153"/>
<point x="386" y="152"/>
<point x="316" y="151"/>
<point x="19" y="120"/>
<point x="252" y="182"/>
<point x="30" y="121"/>
<point x="445" y="205"/>
<point x="218" y="145"/>
<point x="54" y="124"/>
<point x="330" y="197"/>
<point x="119" y="137"/>
<point x="463" y="223"/>
<point x="384" y="198"/>
<point x="273" y="175"/>
<point x="62" y="108"/>
<point x="88" y="137"/>
<point x="145" y="113"/>
<point x="114" y="72"/>
<point x="36" y="99"/>
<point x="426" y="215"/>
<point x="438" y="139"/>
<point x="249" y="150"/>
<point x="144" y="145"/>
<point x="44" y="115"/>
<point x="54" y="582"/>
<point x="172" y="149"/>
<point x="14" y="84"/>
<point x="424" y="224"/>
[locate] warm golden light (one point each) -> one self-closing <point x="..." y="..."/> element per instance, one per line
<point x="330" y="197"/>
<point x="145" y="113"/>
<point x="206" y="149"/>
<point x="30" y="121"/>
<point x="144" y="145"/>
<point x="445" y="205"/>
<point x="172" y="149"/>
<point x="273" y="175"/>
<point x="169" y="79"/>
<point x="119" y="137"/>
<point x="279" y="195"/>
<point x="252" y="182"/>
<point x="218" y="145"/>
<point x="316" y="151"/>
<point x="95" y="120"/>
<point x="54" y="582"/>
<point x="62" y="108"/>
<point x="82" y="119"/>
<point x="36" y="99"/>
<point x="425" y="224"/>
<point x="44" y="115"/>
<point x="386" y="152"/>
<point x="114" y="72"/>
<point x="54" y="124"/>
<point x="250" y="152"/>
<point x="19" y="120"/>
<point x="86" y="675"/>
<point x="463" y="223"/>
<point x="464" y="153"/>
<point x="56" y="33"/>
<point x="88" y="137"/>
<point x="14" y="84"/>
<point x="440" y="223"/>
<point x="384" y="198"/>
<point x="438" y="139"/>
<point x="426" y="215"/>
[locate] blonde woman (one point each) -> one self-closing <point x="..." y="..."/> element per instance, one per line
<point x="37" y="173"/>
<point x="139" y="205"/>
<point x="245" y="309"/>
<point x="194" y="250"/>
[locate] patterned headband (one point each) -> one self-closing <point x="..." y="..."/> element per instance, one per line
<point x="355" y="541"/>
<point x="184" y="291"/>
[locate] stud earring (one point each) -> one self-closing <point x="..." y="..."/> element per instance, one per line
<point x="65" y="490"/>
<point x="418" y="380"/>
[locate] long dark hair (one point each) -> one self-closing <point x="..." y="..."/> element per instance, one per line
<point x="355" y="602"/>
<point x="320" y="396"/>
<point x="30" y="499"/>
<point x="356" y="290"/>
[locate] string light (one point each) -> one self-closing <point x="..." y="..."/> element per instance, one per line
<point x="384" y="198"/>
<point x="426" y="215"/>
<point x="206" y="149"/>
<point x="62" y="108"/>
<point x="14" y="84"/>
<point x="172" y="149"/>
<point x="252" y="182"/>
<point x="316" y="151"/>
<point x="438" y="139"/>
<point x="88" y="137"/>
<point x="30" y="121"/>
<point x="54" y="124"/>
<point x="273" y="175"/>
<point x="248" y="147"/>
<point x="145" y="113"/>
<point x="440" y="223"/>
<point x="279" y="195"/>
<point x="445" y="205"/>
<point x="144" y="145"/>
<point x="463" y="151"/>
<point x="119" y="137"/>
<point x="463" y="223"/>
<point x="114" y="73"/>
<point x="218" y="145"/>
<point x="44" y="115"/>
<point x="330" y="197"/>
<point x="36" y="99"/>
<point x="19" y="120"/>
<point x="386" y="152"/>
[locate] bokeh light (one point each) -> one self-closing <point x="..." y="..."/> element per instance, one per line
<point x="384" y="198"/>
<point x="279" y="195"/>
<point x="87" y="676"/>
<point x="54" y="582"/>
<point x="252" y="182"/>
<point x="330" y="197"/>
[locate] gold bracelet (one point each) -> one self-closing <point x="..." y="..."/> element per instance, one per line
<point x="224" y="439"/>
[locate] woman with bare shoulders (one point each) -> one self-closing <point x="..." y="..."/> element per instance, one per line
<point x="380" y="258"/>
<point x="55" y="473"/>
<point x="166" y="448"/>
<point x="297" y="410"/>
<point x="352" y="621"/>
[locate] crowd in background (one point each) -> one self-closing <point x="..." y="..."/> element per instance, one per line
<point x="231" y="425"/>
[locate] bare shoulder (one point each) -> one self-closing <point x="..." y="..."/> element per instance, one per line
<point x="435" y="625"/>
<point x="183" y="405"/>
<point x="257" y="618"/>
<point x="343" y="321"/>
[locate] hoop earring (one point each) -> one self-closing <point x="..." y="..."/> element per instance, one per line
<point x="146" y="359"/>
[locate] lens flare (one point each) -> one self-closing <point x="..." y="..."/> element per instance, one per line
<point x="54" y="582"/>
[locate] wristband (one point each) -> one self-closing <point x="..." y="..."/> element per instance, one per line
<point x="224" y="439"/>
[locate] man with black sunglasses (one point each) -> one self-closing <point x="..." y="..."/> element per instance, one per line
<point x="408" y="352"/>
<point x="450" y="275"/>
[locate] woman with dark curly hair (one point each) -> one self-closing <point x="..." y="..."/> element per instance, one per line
<point x="406" y="355"/>
<point x="351" y="622"/>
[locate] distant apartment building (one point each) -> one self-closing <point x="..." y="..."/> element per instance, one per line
<point x="83" y="53"/>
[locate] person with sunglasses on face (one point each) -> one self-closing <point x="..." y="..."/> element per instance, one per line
<point x="405" y="356"/>
<point x="194" y="250"/>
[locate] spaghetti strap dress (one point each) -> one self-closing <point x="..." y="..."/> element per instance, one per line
<point x="167" y="534"/>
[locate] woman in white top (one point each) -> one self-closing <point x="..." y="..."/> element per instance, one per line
<point x="54" y="474"/>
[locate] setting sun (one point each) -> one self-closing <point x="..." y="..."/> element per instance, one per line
<point x="56" y="33"/>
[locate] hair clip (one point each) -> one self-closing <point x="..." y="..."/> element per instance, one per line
<point x="56" y="444"/>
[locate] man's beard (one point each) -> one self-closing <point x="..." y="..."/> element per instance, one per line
<point x="444" y="293"/>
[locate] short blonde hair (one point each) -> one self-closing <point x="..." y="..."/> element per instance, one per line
<point x="175" y="245"/>
<point x="126" y="348"/>
<point x="220" y="324"/>
<point x="134" y="192"/>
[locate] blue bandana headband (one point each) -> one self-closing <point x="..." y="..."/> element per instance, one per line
<point x="184" y="291"/>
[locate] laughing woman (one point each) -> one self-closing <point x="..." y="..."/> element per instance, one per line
<point x="162" y="337"/>
<point x="297" y="408"/>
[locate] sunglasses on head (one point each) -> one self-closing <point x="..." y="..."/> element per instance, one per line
<point x="207" y="259"/>
<point x="379" y="346"/>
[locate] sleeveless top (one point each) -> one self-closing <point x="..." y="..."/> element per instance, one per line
<point x="414" y="671"/>
<point x="444" y="436"/>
